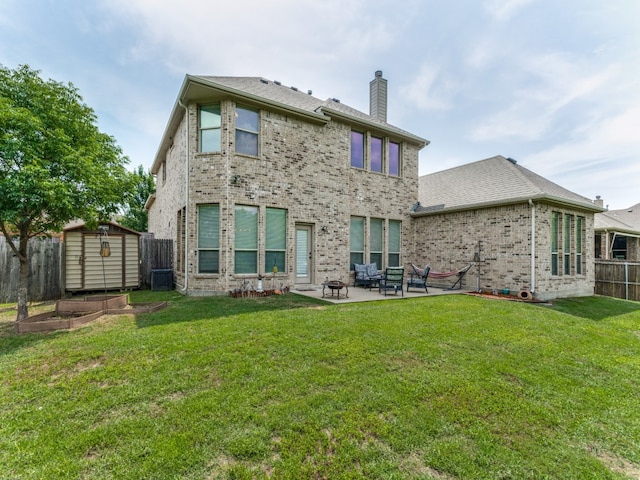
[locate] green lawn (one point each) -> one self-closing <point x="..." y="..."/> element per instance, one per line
<point x="450" y="387"/>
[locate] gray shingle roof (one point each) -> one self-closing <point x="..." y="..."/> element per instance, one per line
<point x="292" y="97"/>
<point x="261" y="87"/>
<point x="624" y="220"/>
<point x="490" y="182"/>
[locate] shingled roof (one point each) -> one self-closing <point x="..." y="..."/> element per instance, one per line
<point x="626" y="220"/>
<point x="261" y="93"/>
<point x="491" y="182"/>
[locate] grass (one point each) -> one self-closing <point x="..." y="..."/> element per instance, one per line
<point x="450" y="387"/>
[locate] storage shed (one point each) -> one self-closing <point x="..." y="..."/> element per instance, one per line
<point x="104" y="259"/>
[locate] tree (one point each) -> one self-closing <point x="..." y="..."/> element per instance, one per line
<point x="55" y="165"/>
<point x="134" y="215"/>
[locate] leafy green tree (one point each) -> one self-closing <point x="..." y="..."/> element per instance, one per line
<point x="134" y="215"/>
<point x="55" y="165"/>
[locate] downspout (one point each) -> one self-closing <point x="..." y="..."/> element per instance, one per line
<point x="613" y="241"/>
<point x="533" y="246"/>
<point x="186" y="207"/>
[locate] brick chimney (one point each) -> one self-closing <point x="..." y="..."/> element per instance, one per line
<point x="378" y="97"/>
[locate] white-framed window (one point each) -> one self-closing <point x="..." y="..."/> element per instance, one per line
<point x="210" y="126"/>
<point x="375" y="154"/>
<point x="247" y="131"/>
<point x="394" y="159"/>
<point x="555" y="235"/>
<point x="568" y="223"/>
<point x="246" y="239"/>
<point x="208" y="238"/>
<point x="357" y="149"/>
<point x="376" y="241"/>
<point x="180" y="238"/>
<point x="395" y="241"/>
<point x="356" y="240"/>
<point x="275" y="254"/>
<point x="579" y="244"/>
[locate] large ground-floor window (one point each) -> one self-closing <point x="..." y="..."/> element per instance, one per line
<point x="246" y="239"/>
<point x="209" y="238"/>
<point x="373" y="244"/>
<point x="567" y="244"/>
<point x="275" y="254"/>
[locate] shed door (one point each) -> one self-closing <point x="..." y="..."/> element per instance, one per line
<point x="100" y="272"/>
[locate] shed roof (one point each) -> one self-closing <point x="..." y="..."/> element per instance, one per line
<point x="491" y="182"/>
<point x="80" y="225"/>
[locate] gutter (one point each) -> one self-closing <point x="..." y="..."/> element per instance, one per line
<point x="511" y="201"/>
<point x="533" y="245"/>
<point x="186" y="207"/>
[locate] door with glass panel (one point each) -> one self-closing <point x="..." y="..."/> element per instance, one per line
<point x="304" y="254"/>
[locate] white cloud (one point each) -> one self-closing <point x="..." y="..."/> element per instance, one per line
<point x="429" y="89"/>
<point x="503" y="10"/>
<point x="551" y="83"/>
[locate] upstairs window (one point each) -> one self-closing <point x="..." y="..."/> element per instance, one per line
<point x="394" y="159"/>
<point x="357" y="149"/>
<point x="376" y="154"/>
<point x="209" y="128"/>
<point x="247" y="127"/>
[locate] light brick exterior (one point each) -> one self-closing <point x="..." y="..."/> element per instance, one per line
<point x="501" y="238"/>
<point x="302" y="167"/>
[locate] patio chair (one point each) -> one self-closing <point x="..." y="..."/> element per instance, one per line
<point x="365" y="274"/>
<point x="418" y="277"/>
<point x="392" y="280"/>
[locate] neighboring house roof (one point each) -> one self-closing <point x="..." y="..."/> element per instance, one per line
<point x="626" y="220"/>
<point x="259" y="92"/>
<point x="491" y="182"/>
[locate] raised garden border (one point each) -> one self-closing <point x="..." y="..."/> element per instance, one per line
<point x="71" y="314"/>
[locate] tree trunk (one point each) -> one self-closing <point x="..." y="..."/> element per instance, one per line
<point x="23" y="286"/>
<point x="23" y="311"/>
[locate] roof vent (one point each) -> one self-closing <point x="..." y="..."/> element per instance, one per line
<point x="295" y="89"/>
<point x="512" y="160"/>
<point x="263" y="80"/>
<point x="309" y="92"/>
<point x="337" y="100"/>
<point x="277" y="82"/>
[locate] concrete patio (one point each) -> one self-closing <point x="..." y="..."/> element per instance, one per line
<point x="361" y="294"/>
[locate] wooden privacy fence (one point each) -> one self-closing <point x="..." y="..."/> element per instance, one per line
<point x="46" y="267"/>
<point x="154" y="254"/>
<point x="620" y="279"/>
<point x="46" y="270"/>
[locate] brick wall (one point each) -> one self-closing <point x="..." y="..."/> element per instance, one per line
<point x="302" y="167"/>
<point x="502" y="237"/>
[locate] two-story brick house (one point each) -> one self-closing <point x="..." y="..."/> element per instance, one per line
<point x="256" y="178"/>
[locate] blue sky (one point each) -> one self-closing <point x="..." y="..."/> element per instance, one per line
<point x="554" y="84"/>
